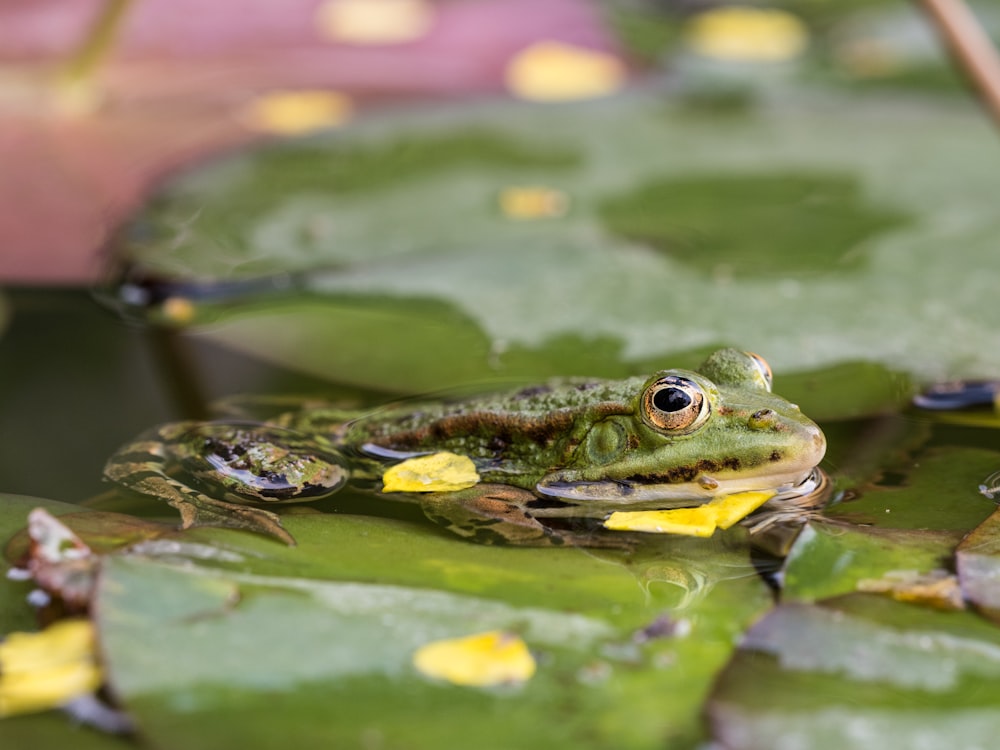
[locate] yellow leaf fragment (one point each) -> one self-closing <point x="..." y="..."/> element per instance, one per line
<point x="730" y="509"/>
<point x="39" y="671"/>
<point x="437" y="472"/>
<point x="533" y="202"/>
<point x="374" y="21"/>
<point x="938" y="588"/>
<point x="722" y="512"/>
<point x="481" y="660"/>
<point x="747" y="34"/>
<point x="698" y="521"/>
<point x="178" y="310"/>
<point x="553" y="71"/>
<point x="297" y="112"/>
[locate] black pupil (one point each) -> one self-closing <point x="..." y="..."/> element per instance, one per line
<point x="671" y="399"/>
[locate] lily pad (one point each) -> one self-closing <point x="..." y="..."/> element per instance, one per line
<point x="438" y="234"/>
<point x="829" y="559"/>
<point x="978" y="563"/>
<point x="680" y="217"/>
<point x="861" y="670"/>
<point x="937" y="491"/>
<point x="315" y="644"/>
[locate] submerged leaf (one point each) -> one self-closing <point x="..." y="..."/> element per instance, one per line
<point x="481" y="660"/>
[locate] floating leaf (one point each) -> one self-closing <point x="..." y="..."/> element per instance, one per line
<point x="699" y="521"/>
<point x="938" y="588"/>
<point x="438" y="472"/>
<point x="39" y="671"/>
<point x="703" y="520"/>
<point x="391" y="213"/>
<point x="860" y="669"/>
<point x="830" y="558"/>
<point x="481" y="660"/>
<point x="940" y="491"/>
<point x="978" y="562"/>
<point x="315" y="644"/>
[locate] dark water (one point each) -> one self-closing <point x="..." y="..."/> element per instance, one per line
<point x="76" y="382"/>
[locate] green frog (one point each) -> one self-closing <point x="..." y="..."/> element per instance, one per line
<point x="551" y="461"/>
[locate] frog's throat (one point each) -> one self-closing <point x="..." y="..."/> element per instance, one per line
<point x="630" y="493"/>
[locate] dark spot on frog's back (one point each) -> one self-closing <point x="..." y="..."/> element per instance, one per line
<point x="532" y="391"/>
<point x="775" y="456"/>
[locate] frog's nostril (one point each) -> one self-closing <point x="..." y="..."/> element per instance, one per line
<point x="762" y="419"/>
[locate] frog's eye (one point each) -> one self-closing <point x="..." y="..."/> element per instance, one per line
<point x="764" y="368"/>
<point x="674" y="404"/>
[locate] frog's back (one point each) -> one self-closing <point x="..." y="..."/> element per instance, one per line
<point x="531" y="425"/>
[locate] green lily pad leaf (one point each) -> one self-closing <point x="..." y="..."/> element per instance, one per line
<point x="939" y="492"/>
<point x="680" y="217"/>
<point x="846" y="391"/>
<point x="55" y="730"/>
<point x="394" y="212"/>
<point x="830" y="558"/>
<point x="315" y="644"/>
<point x="860" y="670"/>
<point x="978" y="562"/>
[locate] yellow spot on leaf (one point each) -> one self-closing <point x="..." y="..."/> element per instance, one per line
<point x="297" y="112"/>
<point x="481" y="660"/>
<point x="39" y="671"/>
<point x="721" y="513"/>
<point x="438" y="472"/>
<point x="553" y="71"/>
<point x="374" y="21"/>
<point x="748" y="34"/>
<point x="533" y="202"/>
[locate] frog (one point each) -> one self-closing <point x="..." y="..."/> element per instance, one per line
<point x="551" y="460"/>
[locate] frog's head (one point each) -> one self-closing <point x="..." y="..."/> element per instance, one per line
<point x="694" y="435"/>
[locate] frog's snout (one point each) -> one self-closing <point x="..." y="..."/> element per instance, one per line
<point x="816" y="443"/>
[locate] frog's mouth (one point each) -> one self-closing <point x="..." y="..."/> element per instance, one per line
<point x="703" y="479"/>
<point x="635" y="495"/>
